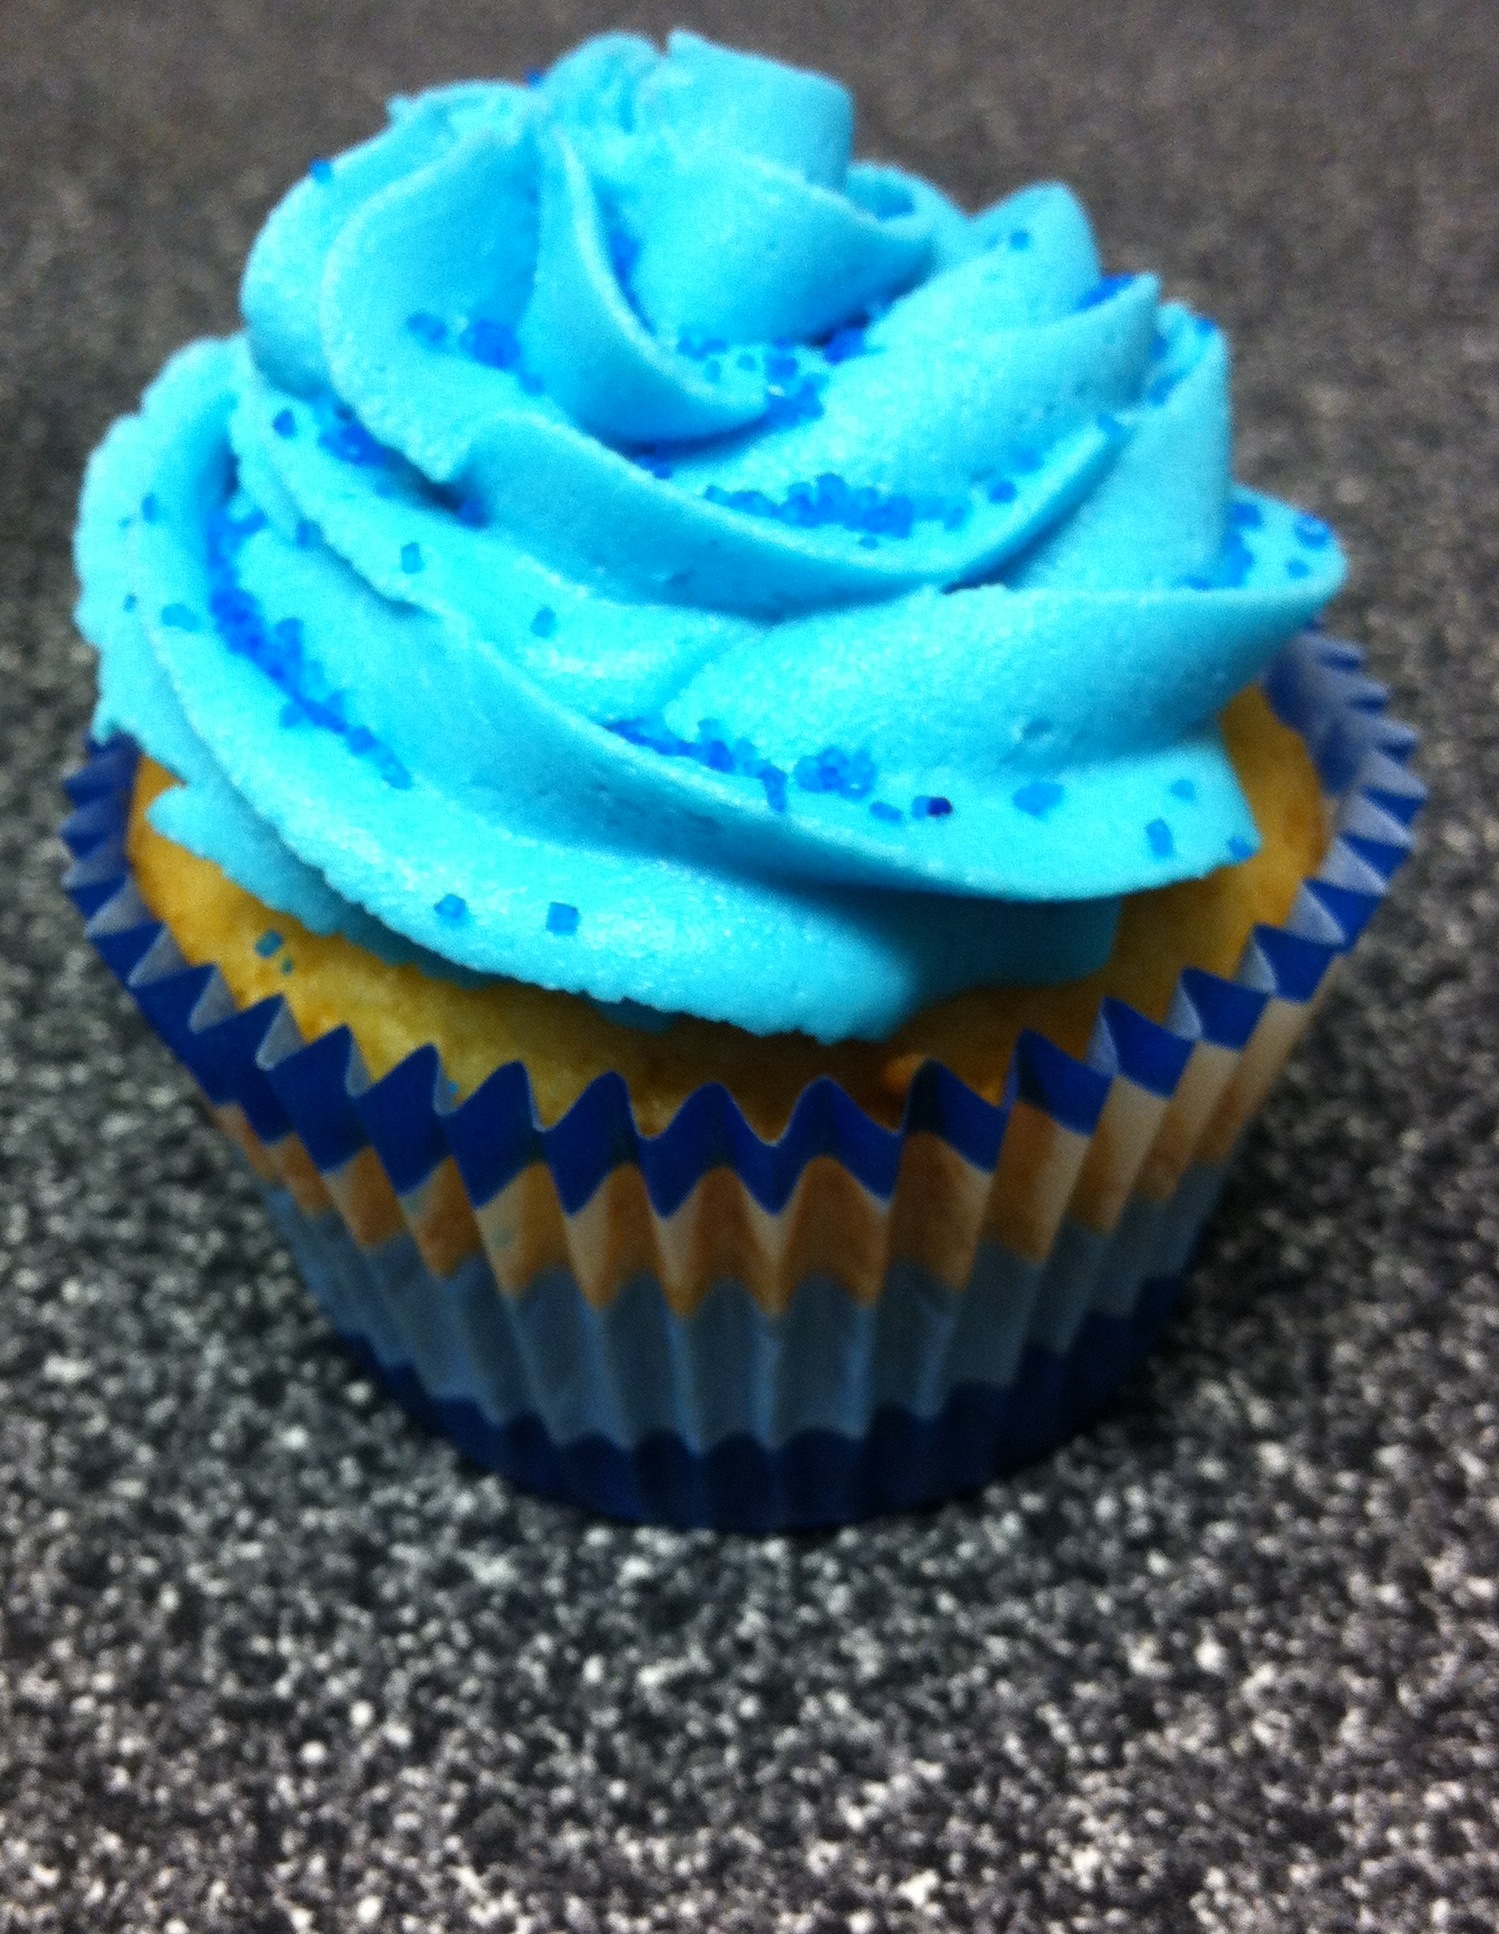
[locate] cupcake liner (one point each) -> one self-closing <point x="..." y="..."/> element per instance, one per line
<point x="702" y="1327"/>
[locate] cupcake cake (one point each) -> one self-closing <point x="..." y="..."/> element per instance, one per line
<point x="701" y="757"/>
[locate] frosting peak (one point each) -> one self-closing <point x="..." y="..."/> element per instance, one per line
<point x="625" y="503"/>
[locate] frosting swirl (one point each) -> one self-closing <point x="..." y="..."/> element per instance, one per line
<point x="638" y="549"/>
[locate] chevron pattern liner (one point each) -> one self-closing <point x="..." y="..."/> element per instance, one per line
<point x="702" y="1327"/>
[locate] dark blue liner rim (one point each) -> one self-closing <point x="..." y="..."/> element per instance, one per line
<point x="818" y="1478"/>
<point x="257" y="1060"/>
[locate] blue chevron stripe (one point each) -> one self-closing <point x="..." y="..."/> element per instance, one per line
<point x="821" y="1477"/>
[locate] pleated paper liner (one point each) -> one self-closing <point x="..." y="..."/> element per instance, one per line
<point x="702" y="1327"/>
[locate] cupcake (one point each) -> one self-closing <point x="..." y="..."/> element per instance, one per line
<point x="705" y="765"/>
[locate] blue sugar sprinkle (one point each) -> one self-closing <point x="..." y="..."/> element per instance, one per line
<point x="534" y="77"/>
<point x="697" y="348"/>
<point x="321" y="171"/>
<point x="1298" y="568"/>
<point x="427" y="327"/>
<point x="544" y="624"/>
<point x="930" y="806"/>
<point x="780" y="365"/>
<point x="1240" y="849"/>
<point x="332" y="713"/>
<point x="651" y="733"/>
<point x="893" y="518"/>
<point x="624" y="253"/>
<point x="1002" y="491"/>
<point x="844" y="344"/>
<point x="832" y="501"/>
<point x="1038" y="796"/>
<point x="1312" y="532"/>
<point x="813" y="774"/>
<point x="1020" y="238"/>
<point x="471" y="512"/>
<point x="561" y="918"/>
<point x="284" y="423"/>
<point x="131" y="601"/>
<point x="451" y="908"/>
<point x="786" y="408"/>
<point x="279" y="650"/>
<point x="494" y="344"/>
<point x="1245" y="514"/>
<point x="1162" y="840"/>
<point x="150" y="507"/>
<point x="352" y="443"/>
<point x="800" y="506"/>
<point x="1103" y="291"/>
<point x="710" y="749"/>
<point x="849" y="774"/>
<point x="710" y="737"/>
<point x="1183" y="789"/>
<point x="181" y="617"/>
<point x="288" y="635"/>
<point x="269" y="943"/>
<point x="882" y="809"/>
<point x="411" y="557"/>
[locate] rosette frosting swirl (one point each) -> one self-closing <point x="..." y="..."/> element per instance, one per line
<point x="638" y="549"/>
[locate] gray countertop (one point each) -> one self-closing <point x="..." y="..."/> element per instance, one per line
<point x="271" y="1658"/>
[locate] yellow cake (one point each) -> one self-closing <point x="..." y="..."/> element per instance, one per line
<point x="565" y="1042"/>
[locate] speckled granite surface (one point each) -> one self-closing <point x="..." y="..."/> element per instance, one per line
<point x="270" y="1659"/>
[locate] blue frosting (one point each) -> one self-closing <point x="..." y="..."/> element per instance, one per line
<point x="638" y="549"/>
